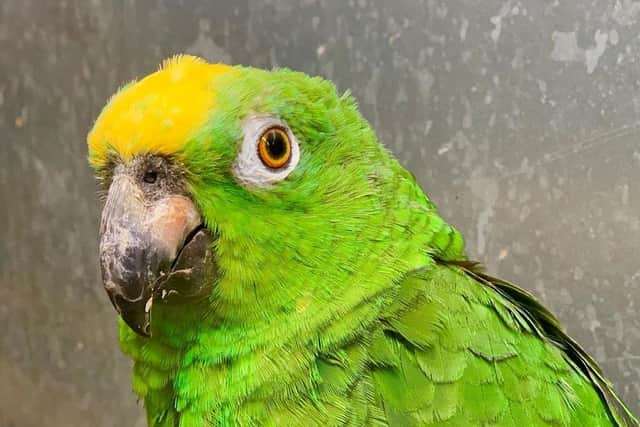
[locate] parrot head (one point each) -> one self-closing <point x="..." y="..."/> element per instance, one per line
<point x="248" y="197"/>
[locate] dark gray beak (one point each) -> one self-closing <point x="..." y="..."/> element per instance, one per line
<point x="140" y="241"/>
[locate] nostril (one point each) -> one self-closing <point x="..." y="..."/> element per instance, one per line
<point x="150" y="177"/>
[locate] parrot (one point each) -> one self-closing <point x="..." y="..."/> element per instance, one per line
<point x="272" y="263"/>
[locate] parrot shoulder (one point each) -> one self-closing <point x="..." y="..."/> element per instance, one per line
<point x="459" y="347"/>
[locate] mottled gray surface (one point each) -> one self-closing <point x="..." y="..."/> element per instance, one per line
<point x="521" y="119"/>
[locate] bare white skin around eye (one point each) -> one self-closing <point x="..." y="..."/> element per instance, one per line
<point x="248" y="168"/>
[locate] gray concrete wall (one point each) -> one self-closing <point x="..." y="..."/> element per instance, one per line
<point x="520" y="119"/>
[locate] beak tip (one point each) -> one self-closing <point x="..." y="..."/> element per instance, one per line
<point x="143" y="329"/>
<point x="134" y="313"/>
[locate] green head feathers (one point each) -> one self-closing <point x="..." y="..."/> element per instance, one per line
<point x="301" y="248"/>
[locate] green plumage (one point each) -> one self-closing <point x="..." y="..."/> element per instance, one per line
<point x="344" y="298"/>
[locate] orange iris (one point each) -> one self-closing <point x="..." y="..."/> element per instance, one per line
<point x="274" y="147"/>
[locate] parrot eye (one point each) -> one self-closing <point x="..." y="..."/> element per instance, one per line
<point x="268" y="154"/>
<point x="274" y="147"/>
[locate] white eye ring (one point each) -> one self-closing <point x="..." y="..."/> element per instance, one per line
<point x="248" y="168"/>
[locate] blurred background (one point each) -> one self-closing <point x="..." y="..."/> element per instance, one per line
<point x="521" y="119"/>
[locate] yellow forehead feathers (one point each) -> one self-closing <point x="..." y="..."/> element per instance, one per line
<point x="158" y="113"/>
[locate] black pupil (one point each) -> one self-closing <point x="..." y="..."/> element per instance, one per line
<point x="150" y="177"/>
<point x="276" y="144"/>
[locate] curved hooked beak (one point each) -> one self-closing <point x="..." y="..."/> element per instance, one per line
<point x="145" y="245"/>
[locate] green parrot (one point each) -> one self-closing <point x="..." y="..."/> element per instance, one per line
<point x="273" y="264"/>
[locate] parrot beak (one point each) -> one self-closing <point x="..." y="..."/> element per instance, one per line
<point x="150" y="248"/>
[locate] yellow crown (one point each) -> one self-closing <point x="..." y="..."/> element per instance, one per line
<point x="158" y="113"/>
